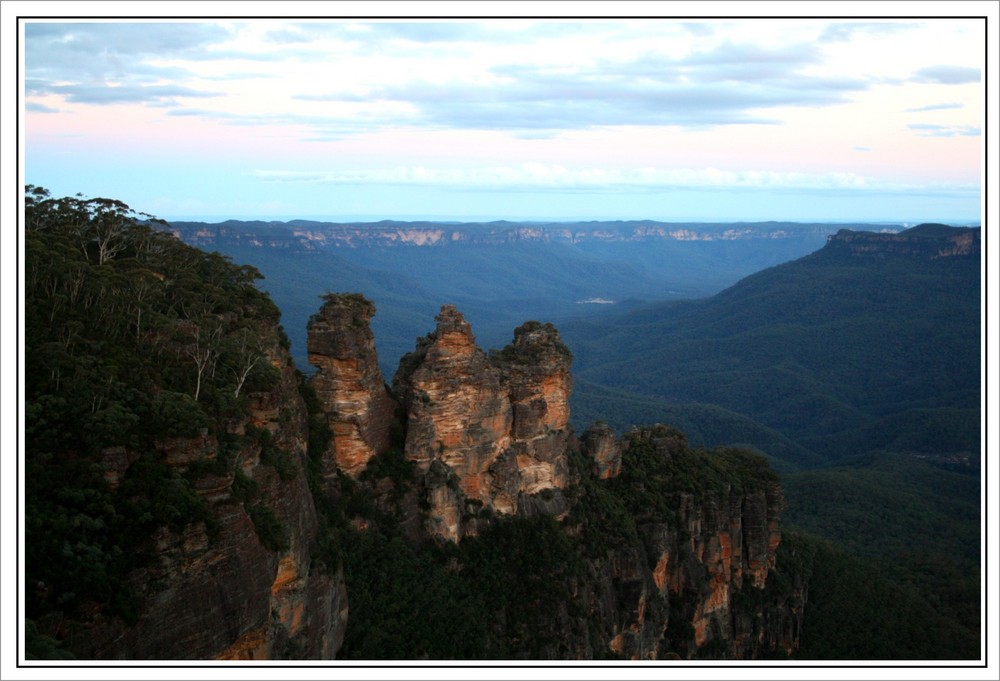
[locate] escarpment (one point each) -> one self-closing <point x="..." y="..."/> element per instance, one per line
<point x="168" y="507"/>
<point x="460" y="494"/>
<point x="926" y="241"/>
<point x="189" y="495"/>
<point x="706" y="537"/>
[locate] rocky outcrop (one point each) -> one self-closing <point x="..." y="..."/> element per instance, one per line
<point x="702" y="566"/>
<point x="490" y="431"/>
<point x="244" y="584"/>
<point x="349" y="383"/>
<point x="487" y="435"/>
<point x="601" y="444"/>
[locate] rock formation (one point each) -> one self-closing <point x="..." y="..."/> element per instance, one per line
<point x="487" y="436"/>
<point x="348" y="382"/>
<point x="487" y="431"/>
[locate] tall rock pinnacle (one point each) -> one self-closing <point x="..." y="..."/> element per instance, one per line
<point x="349" y="383"/>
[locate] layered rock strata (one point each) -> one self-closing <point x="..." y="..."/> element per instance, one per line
<point x="927" y="241"/>
<point x="349" y="383"/>
<point x="601" y="444"/>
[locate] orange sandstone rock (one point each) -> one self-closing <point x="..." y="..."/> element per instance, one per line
<point x="498" y="423"/>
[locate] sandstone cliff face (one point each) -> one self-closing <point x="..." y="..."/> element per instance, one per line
<point x="349" y="384"/>
<point x="314" y="236"/>
<point x="486" y="432"/>
<point x="220" y="591"/>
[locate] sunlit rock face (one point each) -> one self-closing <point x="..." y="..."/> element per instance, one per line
<point x="492" y="427"/>
<point x="349" y="383"/>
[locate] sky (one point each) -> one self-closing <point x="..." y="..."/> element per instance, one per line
<point x="577" y="118"/>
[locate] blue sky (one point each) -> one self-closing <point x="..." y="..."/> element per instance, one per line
<point x="705" y="119"/>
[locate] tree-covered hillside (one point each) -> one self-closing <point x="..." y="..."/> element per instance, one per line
<point x="836" y="351"/>
<point x="131" y="337"/>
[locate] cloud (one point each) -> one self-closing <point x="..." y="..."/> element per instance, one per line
<point x="936" y="107"/>
<point x="117" y="94"/>
<point x="128" y="38"/>
<point x="730" y="84"/>
<point x="931" y="130"/>
<point x="556" y="178"/>
<point x="38" y="107"/>
<point x="700" y="30"/>
<point x="846" y="32"/>
<point x="732" y="54"/>
<point x="71" y="51"/>
<point x="530" y="79"/>
<point x="947" y="75"/>
<point x="97" y="63"/>
<point x="379" y="32"/>
<point x="417" y="39"/>
<point x="429" y="32"/>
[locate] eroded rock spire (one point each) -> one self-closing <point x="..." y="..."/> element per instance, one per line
<point x="349" y="383"/>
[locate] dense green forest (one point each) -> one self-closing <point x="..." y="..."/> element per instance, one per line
<point x="130" y="337"/>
